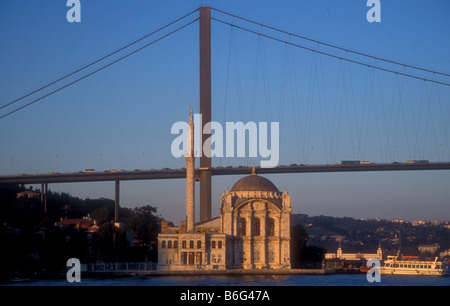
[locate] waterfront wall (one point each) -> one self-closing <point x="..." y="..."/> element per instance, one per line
<point x="150" y="269"/>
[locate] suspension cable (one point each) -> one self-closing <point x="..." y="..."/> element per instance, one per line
<point x="331" y="45"/>
<point x="97" y="70"/>
<point x="331" y="55"/>
<point x="96" y="61"/>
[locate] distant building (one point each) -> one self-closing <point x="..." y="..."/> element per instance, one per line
<point x="419" y="222"/>
<point x="85" y="223"/>
<point x="355" y="256"/>
<point x="398" y="221"/>
<point x="445" y="253"/>
<point x="28" y="194"/>
<point x="430" y="248"/>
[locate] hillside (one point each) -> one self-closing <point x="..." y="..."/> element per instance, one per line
<point x="365" y="235"/>
<point x="38" y="244"/>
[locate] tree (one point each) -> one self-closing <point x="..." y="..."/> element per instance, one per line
<point x="109" y="241"/>
<point x="144" y="224"/>
<point x="101" y="215"/>
<point x="299" y="239"/>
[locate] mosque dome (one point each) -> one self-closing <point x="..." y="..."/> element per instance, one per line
<point x="254" y="182"/>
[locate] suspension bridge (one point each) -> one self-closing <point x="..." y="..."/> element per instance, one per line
<point x="399" y="105"/>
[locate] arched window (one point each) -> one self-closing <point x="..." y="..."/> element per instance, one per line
<point x="270" y="227"/>
<point x="183" y="244"/>
<point x="242" y="227"/>
<point x="256" y="227"/>
<point x="163" y="244"/>
<point x="199" y="244"/>
<point x="175" y="244"/>
<point x="169" y="244"/>
<point x="191" y="244"/>
<point x="213" y="244"/>
<point x="219" y="244"/>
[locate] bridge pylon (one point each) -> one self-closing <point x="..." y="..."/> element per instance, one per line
<point x="205" y="110"/>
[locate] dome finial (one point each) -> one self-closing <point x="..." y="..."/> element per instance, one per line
<point x="253" y="170"/>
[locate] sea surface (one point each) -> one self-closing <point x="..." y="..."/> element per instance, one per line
<point x="246" y="280"/>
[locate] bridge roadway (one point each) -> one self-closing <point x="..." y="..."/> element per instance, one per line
<point x="181" y="173"/>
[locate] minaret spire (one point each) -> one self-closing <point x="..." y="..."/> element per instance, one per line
<point x="190" y="179"/>
<point x="190" y="137"/>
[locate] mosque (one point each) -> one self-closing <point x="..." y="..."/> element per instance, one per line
<point x="251" y="232"/>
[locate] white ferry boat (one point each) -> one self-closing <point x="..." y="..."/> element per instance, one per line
<point x="410" y="265"/>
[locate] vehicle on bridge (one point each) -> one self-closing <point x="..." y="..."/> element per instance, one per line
<point x="351" y="163"/>
<point x="420" y="161"/>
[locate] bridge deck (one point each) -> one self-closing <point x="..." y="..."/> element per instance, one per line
<point x="181" y="173"/>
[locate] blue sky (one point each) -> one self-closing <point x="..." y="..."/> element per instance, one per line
<point x="120" y="117"/>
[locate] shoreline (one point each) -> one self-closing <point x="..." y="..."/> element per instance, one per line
<point x="212" y="272"/>
<point x="158" y="273"/>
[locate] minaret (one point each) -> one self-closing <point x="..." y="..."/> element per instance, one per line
<point x="339" y="251"/>
<point x="380" y="252"/>
<point x="190" y="179"/>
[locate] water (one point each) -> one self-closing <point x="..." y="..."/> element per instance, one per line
<point x="247" y="280"/>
